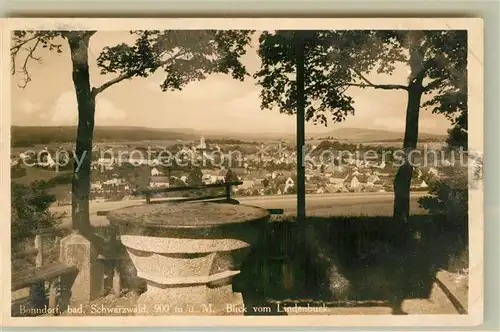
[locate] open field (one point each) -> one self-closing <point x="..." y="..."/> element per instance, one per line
<point x="37" y="174"/>
<point x="349" y="204"/>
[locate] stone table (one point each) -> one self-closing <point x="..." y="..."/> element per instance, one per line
<point x="188" y="253"/>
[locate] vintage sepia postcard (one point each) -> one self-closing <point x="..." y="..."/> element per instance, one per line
<point x="242" y="172"/>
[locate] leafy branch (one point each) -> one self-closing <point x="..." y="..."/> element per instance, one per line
<point x="185" y="55"/>
<point x="25" y="44"/>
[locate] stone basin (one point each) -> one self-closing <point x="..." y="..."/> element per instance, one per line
<point x="188" y="253"/>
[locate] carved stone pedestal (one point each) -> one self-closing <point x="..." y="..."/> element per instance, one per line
<point x="188" y="253"/>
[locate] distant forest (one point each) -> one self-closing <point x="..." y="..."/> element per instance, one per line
<point x="30" y="136"/>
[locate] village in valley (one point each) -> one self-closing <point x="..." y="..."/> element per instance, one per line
<point x="120" y="169"/>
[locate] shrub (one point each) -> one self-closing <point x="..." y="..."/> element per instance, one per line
<point x="17" y="171"/>
<point x="30" y="211"/>
<point x="449" y="196"/>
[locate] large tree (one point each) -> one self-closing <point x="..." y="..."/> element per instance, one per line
<point x="337" y="61"/>
<point x="292" y="76"/>
<point x="184" y="55"/>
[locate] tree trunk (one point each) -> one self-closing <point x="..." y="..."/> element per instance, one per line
<point x="301" y="100"/>
<point x="78" y="43"/>
<point x="402" y="181"/>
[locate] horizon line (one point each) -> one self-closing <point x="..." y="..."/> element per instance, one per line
<point x="291" y="132"/>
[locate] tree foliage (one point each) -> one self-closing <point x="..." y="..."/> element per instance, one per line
<point x="195" y="177"/>
<point x="27" y="44"/>
<point x="449" y="196"/>
<point x="137" y="176"/>
<point x="184" y="55"/>
<point x="230" y="176"/>
<point x="276" y="75"/>
<point x="458" y="134"/>
<point x="338" y="60"/>
<point x="30" y="211"/>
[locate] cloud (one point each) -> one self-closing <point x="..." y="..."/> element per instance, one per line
<point x="29" y="107"/>
<point x="65" y="111"/>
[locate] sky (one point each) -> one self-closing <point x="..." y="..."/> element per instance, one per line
<point x="49" y="99"/>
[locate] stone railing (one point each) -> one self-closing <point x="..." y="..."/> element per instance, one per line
<point x="58" y="271"/>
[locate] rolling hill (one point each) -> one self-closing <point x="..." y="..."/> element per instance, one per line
<point x="362" y="135"/>
<point x="25" y="136"/>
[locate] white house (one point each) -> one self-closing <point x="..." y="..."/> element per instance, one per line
<point x="247" y="184"/>
<point x="382" y="165"/>
<point x="155" y="172"/>
<point x="215" y="178"/>
<point x="448" y="163"/>
<point x="112" y="182"/>
<point x="370" y="181"/>
<point x="288" y="184"/>
<point x="355" y="182"/>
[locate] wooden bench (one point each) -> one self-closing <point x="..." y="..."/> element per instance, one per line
<point x="46" y="272"/>
<point x="227" y="196"/>
<point x="36" y="277"/>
